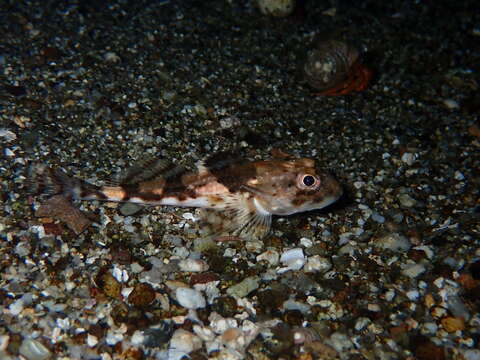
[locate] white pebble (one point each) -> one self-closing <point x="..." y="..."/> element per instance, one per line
<point x="413" y="270"/>
<point x="340" y="342"/>
<point x="429" y="328"/>
<point x="306" y="242"/>
<point x="413" y="295"/>
<point x="193" y="265"/>
<point x="408" y="158"/>
<point x="7" y="135"/>
<point x="188" y="216"/>
<point x="137" y="338"/>
<point x="317" y="263"/>
<point x="471" y="354"/>
<point x="16" y="307"/>
<point x="450" y="104"/>
<point x="8" y="152"/>
<point x="361" y="323"/>
<point x="111" y="57"/>
<point x="271" y="256"/>
<point x="92" y="340"/>
<point x="459" y="176"/>
<point x="190" y="298"/>
<point x="293" y="259"/>
<point x="394" y="242"/>
<point x="185" y="341"/>
<point x="120" y="274"/>
<point x="389" y="295"/>
<point x="34" y="350"/>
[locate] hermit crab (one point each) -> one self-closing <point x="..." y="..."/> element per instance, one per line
<point x="334" y="67"/>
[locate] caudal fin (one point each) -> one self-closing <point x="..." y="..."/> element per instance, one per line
<point x="44" y="180"/>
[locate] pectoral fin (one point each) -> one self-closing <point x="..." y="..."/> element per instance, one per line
<point x="236" y="215"/>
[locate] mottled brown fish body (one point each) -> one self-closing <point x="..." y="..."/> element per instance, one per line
<point x="243" y="195"/>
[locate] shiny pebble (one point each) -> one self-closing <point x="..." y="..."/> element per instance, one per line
<point x="189" y="298"/>
<point x="34" y="350"/>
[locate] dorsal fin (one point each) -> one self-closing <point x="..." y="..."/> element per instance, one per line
<point x="149" y="169"/>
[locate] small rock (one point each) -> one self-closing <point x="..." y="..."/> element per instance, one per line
<point x="451" y="104"/>
<point x="413" y="270"/>
<point x="394" y="242"/>
<point x="293" y="259"/>
<point x="129" y="209"/>
<point x="408" y="158"/>
<point x="142" y="295"/>
<point x="317" y="264"/>
<point x="111" y="57"/>
<point x="340" y="342"/>
<point x="406" y="200"/>
<point x="193" y="265"/>
<point x="34" y="350"/>
<point x="271" y="256"/>
<point x="471" y="354"/>
<point x="452" y="324"/>
<point x="190" y="298"/>
<point x="245" y="287"/>
<point x="109" y="285"/>
<point x="185" y="341"/>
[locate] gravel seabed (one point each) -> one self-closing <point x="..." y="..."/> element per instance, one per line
<point x="392" y="271"/>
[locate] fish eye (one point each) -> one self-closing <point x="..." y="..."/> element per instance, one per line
<point x="307" y="181"/>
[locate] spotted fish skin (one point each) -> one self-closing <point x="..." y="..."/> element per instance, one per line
<point x="239" y="197"/>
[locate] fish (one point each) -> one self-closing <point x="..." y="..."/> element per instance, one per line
<point x="237" y="197"/>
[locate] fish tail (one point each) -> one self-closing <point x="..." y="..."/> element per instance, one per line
<point x="44" y="180"/>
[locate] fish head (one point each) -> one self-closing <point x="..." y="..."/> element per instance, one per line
<point x="289" y="187"/>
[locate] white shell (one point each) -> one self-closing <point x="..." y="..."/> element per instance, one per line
<point x="276" y="8"/>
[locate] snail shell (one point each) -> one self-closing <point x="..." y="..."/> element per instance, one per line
<point x="276" y="8"/>
<point x="328" y="63"/>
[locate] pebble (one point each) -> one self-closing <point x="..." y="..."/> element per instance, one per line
<point x="111" y="57"/>
<point x="293" y="259"/>
<point x="129" y="209"/>
<point x="378" y="218"/>
<point x="429" y="328"/>
<point x="34" y="350"/>
<point x="408" y="158"/>
<point x="451" y="104"/>
<point x="190" y="298"/>
<point x="271" y="256"/>
<point x="394" y="242"/>
<point x="317" y="263"/>
<point x="142" y="295"/>
<point x="413" y="295"/>
<point x="245" y="287"/>
<point x="193" y="265"/>
<point x="452" y="324"/>
<point x="406" y="200"/>
<point x="361" y="323"/>
<point x="471" y="354"/>
<point x="340" y="342"/>
<point x="16" y="307"/>
<point x="185" y="341"/>
<point x="306" y="242"/>
<point x="413" y="270"/>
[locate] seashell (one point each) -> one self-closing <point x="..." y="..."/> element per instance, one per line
<point x="276" y="8"/>
<point x="334" y="67"/>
